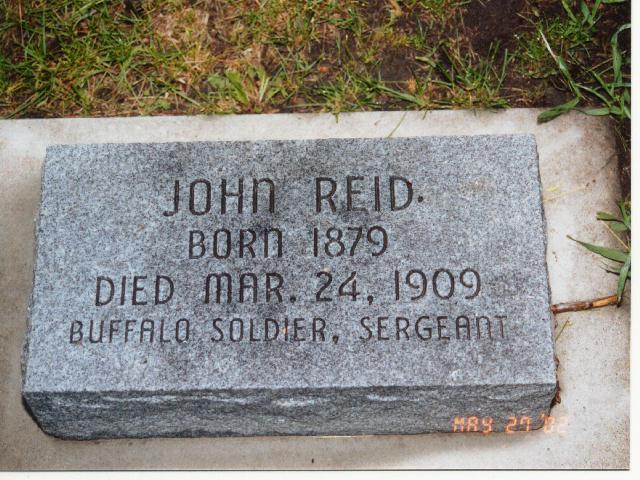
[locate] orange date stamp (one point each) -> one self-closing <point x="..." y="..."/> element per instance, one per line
<point x="523" y="423"/>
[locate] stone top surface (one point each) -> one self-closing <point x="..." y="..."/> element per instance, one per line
<point x="451" y="240"/>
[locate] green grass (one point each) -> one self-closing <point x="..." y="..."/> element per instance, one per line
<point x="619" y="227"/>
<point x="97" y="57"/>
<point x="561" y="48"/>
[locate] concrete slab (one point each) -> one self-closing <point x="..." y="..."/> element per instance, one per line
<point x="590" y="426"/>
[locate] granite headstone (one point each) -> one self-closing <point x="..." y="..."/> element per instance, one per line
<point x="317" y="287"/>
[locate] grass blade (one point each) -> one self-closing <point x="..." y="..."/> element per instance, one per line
<point x="598" y="111"/>
<point x="610" y="253"/>
<point x="624" y="273"/>
<point x="626" y="215"/>
<point x="616" y="54"/>
<point x="557" y="111"/>
<point x="607" y="217"/>
<point x="400" y="95"/>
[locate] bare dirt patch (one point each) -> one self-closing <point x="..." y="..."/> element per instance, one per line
<point x="494" y="21"/>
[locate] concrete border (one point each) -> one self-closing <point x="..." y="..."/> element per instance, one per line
<point x="578" y="167"/>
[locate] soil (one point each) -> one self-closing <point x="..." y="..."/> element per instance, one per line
<point x="490" y="21"/>
<point x="494" y="21"/>
<point x="396" y="64"/>
<point x="482" y="25"/>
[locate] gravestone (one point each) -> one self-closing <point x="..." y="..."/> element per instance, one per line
<point x="320" y="287"/>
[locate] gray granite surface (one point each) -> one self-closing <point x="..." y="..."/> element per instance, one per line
<point x="379" y="326"/>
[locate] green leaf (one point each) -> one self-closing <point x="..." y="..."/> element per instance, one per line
<point x="598" y="111"/>
<point x="614" y="223"/>
<point x="217" y="81"/>
<point x="616" y="110"/>
<point x="400" y="95"/>
<point x="594" y="10"/>
<point x="624" y="273"/>
<point x="557" y="111"/>
<point x="607" y="217"/>
<point x="588" y="16"/>
<point x="236" y="82"/>
<point x="567" y="9"/>
<point x="564" y="69"/>
<point x="626" y="214"/>
<point x="428" y="60"/>
<point x="616" y="54"/>
<point x="610" y="253"/>
<point x="618" y="227"/>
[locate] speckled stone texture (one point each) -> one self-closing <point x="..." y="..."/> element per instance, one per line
<point x="427" y="313"/>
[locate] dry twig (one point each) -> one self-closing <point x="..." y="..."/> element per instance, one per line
<point x="584" y="305"/>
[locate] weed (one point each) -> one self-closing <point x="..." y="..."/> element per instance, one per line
<point x="620" y="229"/>
<point x="470" y="80"/>
<point x="606" y="83"/>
